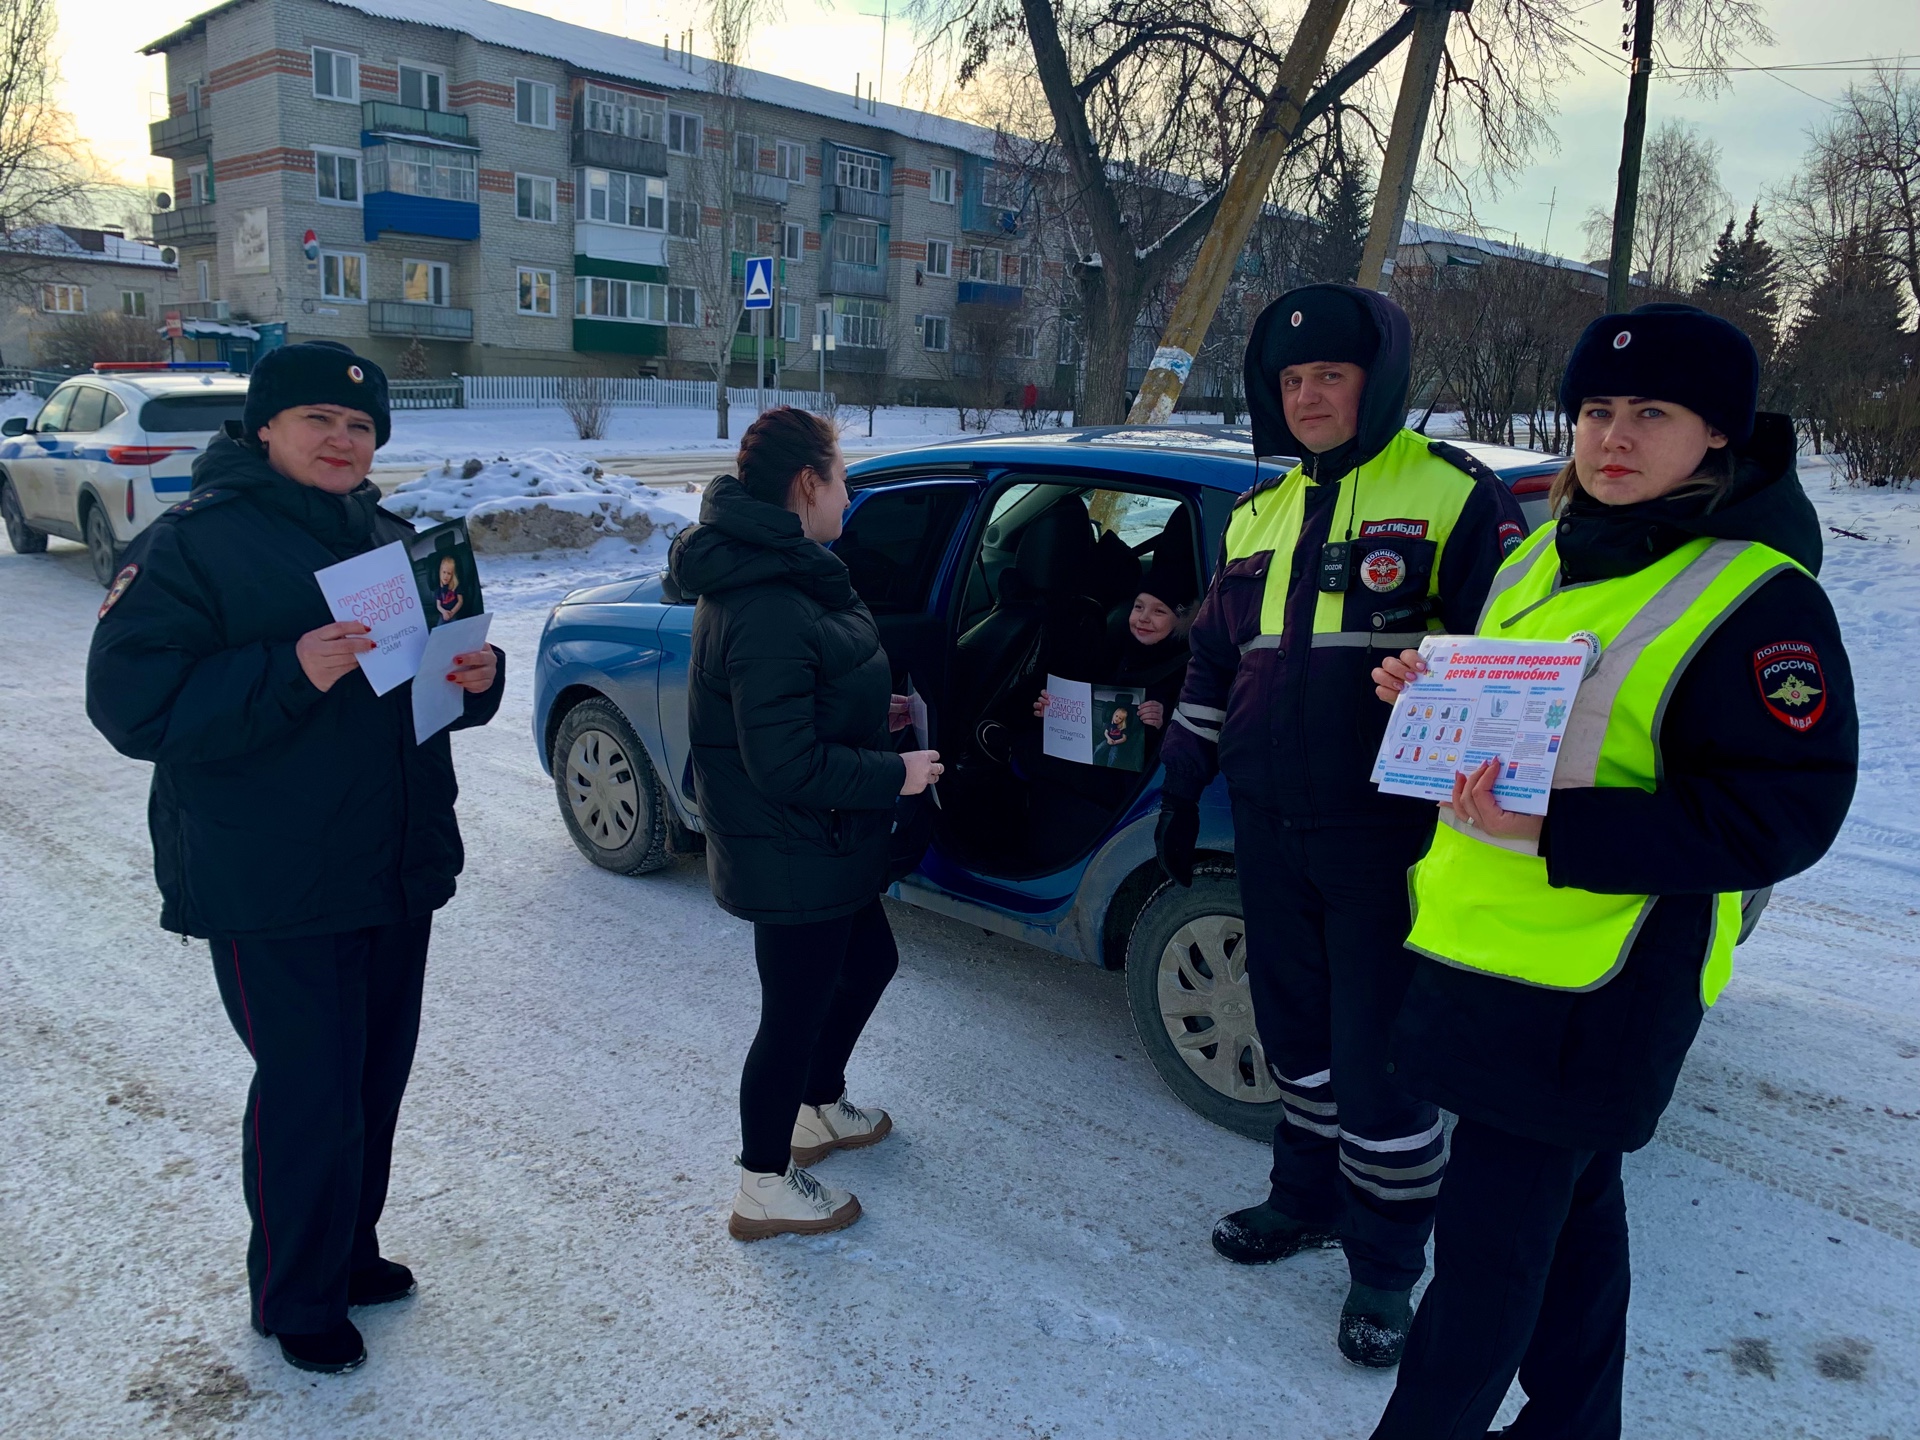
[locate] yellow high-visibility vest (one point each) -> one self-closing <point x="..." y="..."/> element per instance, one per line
<point x="1485" y="904"/>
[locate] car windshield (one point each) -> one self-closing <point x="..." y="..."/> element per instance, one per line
<point x="178" y="414"/>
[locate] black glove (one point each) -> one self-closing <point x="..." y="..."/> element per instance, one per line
<point x="1175" y="836"/>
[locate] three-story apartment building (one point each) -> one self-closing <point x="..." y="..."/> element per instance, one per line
<point x="525" y="196"/>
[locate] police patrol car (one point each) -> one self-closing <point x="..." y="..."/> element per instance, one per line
<point x="109" y="451"/>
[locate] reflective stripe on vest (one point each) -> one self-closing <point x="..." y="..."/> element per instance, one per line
<point x="1404" y="481"/>
<point x="1483" y="904"/>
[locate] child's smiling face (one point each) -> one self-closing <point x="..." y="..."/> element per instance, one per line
<point x="1151" y="620"/>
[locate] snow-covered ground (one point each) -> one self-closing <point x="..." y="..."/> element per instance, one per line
<point x="1034" y="1257"/>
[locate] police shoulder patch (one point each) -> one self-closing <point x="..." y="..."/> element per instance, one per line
<point x="197" y="502"/>
<point x="1510" y="534"/>
<point x="121" y="584"/>
<point x="1460" y="460"/>
<point x="1793" y="687"/>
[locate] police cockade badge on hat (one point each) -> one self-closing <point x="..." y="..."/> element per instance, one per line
<point x="1383" y="570"/>
<point x="1623" y="339"/>
<point x="356" y="374"/>
<point x="1296" y="318"/>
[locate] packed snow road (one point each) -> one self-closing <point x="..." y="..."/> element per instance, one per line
<point x="1034" y="1259"/>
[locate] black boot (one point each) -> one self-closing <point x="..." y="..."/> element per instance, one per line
<point x="380" y="1283"/>
<point x="329" y="1352"/>
<point x="1374" y="1325"/>
<point x="1260" y="1234"/>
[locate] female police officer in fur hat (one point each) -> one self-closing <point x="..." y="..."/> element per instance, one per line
<point x="1568" y="961"/>
<point x="296" y="823"/>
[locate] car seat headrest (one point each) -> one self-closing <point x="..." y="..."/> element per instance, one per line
<point x="1056" y="549"/>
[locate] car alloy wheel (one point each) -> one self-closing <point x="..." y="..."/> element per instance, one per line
<point x="101" y="549"/>
<point x="1207" y="1006"/>
<point x="601" y="789"/>
<point x="1193" y="1007"/>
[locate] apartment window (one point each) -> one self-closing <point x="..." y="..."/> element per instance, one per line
<point x="683" y="219"/>
<point x="536" y="290"/>
<point x="856" y="242"/>
<point x="858" y="323"/>
<point x="64" y="299"/>
<point x="193" y="96"/>
<point x="133" y="302"/>
<point x="746" y="234"/>
<point x="1022" y="270"/>
<point x="619" y="113"/>
<point x="940" y="185"/>
<point x="746" y="152"/>
<point x="789" y="322"/>
<point x="793" y="240"/>
<point x="336" y="176"/>
<point x="630" y="300"/>
<point x="533" y="197"/>
<point x="342" y="275"/>
<point x="430" y="170"/>
<point x="204" y="277"/>
<point x="620" y="199"/>
<point x="789" y="161"/>
<point x="983" y="263"/>
<point x="424" y="282"/>
<point x="939" y="257"/>
<point x="198" y="191"/>
<point x="1026" y="342"/>
<point x="336" y="75"/>
<point x="999" y="189"/>
<point x="683" y="132"/>
<point x="683" y="305"/>
<point x="533" y="103"/>
<point x="933" y="332"/>
<point x="422" y="89"/>
<point x="857" y="171"/>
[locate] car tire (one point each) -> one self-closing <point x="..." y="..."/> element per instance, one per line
<point x="1192" y="1007"/>
<point x="103" y="551"/>
<point x="24" y="539"/>
<point x="609" y="796"/>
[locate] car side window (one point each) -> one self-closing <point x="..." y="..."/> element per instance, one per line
<point x="89" y="404"/>
<point x="894" y="540"/>
<point x="111" y="411"/>
<point x="52" y="418"/>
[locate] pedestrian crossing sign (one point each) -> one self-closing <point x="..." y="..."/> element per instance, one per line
<point x="759" y="282"/>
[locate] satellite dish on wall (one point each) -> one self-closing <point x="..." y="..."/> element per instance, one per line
<point x="162" y="200"/>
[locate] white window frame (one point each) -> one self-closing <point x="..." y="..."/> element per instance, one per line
<point x="197" y="184"/>
<point x="974" y="266"/>
<point x="687" y="207"/>
<point x="847" y="230"/>
<point x="339" y="259"/>
<point x="521" y="275"/>
<point x="640" y="117"/>
<point x="790" y="161"/>
<point x="649" y="296"/>
<point x="789" y="320"/>
<point x="133" y="302"/>
<point x="868" y="318"/>
<point x="336" y="155"/>
<point x="850" y="166"/>
<point x="404" y="161"/>
<point x="57" y="297"/>
<point x="686" y="120"/>
<point x="940" y="184"/>
<point x="652" y="188"/>
<point x="931" y="325"/>
<point x="683" y="295"/>
<point x="793" y="240"/>
<point x="1026" y="342"/>
<point x="434" y="268"/>
<point x="525" y="92"/>
<point x="333" y="75"/>
<point x="944" y="249"/>
<point x="531" y="211"/>
<point x="434" y="72"/>
<point x="203" y="273"/>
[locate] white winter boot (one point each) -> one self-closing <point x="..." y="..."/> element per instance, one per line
<point x="819" y="1130"/>
<point x="791" y="1204"/>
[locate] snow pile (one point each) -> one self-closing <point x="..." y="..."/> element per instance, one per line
<point x="542" y="500"/>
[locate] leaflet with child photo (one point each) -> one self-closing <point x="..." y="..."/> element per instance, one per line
<point x="444" y="569"/>
<point x="1095" y="724"/>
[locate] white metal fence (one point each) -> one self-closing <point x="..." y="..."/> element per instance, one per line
<point x="523" y="391"/>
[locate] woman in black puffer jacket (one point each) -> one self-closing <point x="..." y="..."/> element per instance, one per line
<point x="790" y="709"/>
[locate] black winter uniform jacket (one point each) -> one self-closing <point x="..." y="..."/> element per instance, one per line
<point x="276" y="810"/>
<point x="1302" y="725"/>
<point x="793" y="767"/>
<point x="1750" y="794"/>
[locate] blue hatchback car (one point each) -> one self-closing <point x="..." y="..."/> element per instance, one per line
<point x="934" y="542"/>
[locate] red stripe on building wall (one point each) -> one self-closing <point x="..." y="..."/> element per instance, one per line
<point x="177" y="104"/>
<point x="263" y="162"/>
<point x="812" y="241"/>
<point x="480" y="92"/>
<point x="714" y="139"/>
<point x="813" y="167"/>
<point x="919" y="179"/>
<point x="497" y="182"/>
<point x="254" y="67"/>
<point x="563" y="193"/>
<point x="562" y="109"/>
<point x="906" y="250"/>
<point x="379" y="80"/>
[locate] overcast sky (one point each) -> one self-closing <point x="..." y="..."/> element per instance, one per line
<point x="1759" y="124"/>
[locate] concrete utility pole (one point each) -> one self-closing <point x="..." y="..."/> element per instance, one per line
<point x="1417" y="84"/>
<point x="1239" y="209"/>
<point x="1626" y="197"/>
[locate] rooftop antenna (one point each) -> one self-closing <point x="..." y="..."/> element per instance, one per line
<point x="1554" y="200"/>
<point x="884" y="5"/>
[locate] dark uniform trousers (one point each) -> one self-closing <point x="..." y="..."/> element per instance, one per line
<point x="1530" y="1275"/>
<point x="330" y="1021"/>
<point x="1327" y="922"/>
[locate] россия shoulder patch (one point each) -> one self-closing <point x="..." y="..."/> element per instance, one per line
<point x="1793" y="687"/>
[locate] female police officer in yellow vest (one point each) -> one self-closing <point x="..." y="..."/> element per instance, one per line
<point x="1569" y="959"/>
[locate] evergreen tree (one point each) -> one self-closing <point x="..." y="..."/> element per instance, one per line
<point x="1741" y="283"/>
<point x="1849" y="338"/>
<point x="1723" y="265"/>
<point x="1342" y="220"/>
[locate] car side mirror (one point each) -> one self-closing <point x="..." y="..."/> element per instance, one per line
<point x="14" y="425"/>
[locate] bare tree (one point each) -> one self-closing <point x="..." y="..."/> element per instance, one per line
<point x="588" y="401"/>
<point x="46" y="174"/>
<point x="78" y="341"/>
<point x="1681" y="201"/>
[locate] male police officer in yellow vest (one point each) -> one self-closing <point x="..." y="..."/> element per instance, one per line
<point x="1377" y="537"/>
